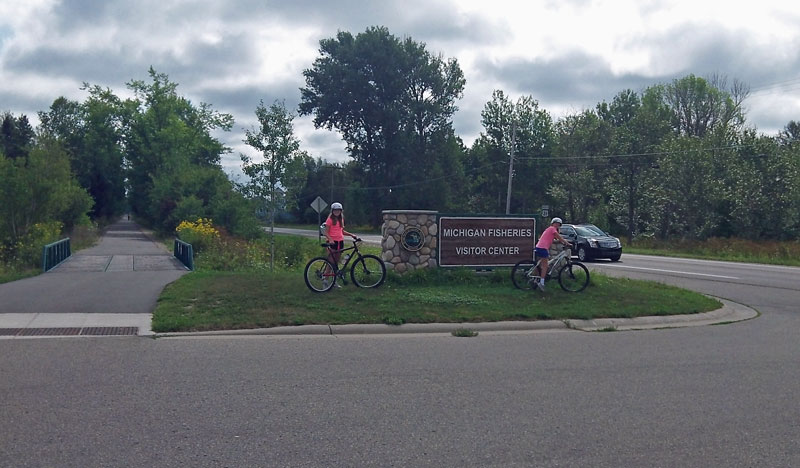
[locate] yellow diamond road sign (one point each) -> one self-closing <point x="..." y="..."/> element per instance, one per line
<point x="319" y="204"/>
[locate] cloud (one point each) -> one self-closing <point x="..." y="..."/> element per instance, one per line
<point x="569" y="55"/>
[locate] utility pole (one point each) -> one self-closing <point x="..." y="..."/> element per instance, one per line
<point x="511" y="163"/>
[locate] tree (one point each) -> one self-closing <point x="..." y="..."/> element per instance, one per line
<point x="167" y="138"/>
<point x="580" y="155"/>
<point x="16" y="136"/>
<point x="275" y="139"/>
<point x="92" y="133"/>
<point x="700" y="106"/>
<point x="638" y="125"/>
<point x="521" y="129"/>
<point x="391" y="100"/>
<point x="790" y="135"/>
<point x="39" y="188"/>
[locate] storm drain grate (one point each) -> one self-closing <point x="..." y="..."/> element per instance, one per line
<point x="71" y="331"/>
<point x="109" y="331"/>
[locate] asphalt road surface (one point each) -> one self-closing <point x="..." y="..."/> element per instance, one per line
<point x="721" y="396"/>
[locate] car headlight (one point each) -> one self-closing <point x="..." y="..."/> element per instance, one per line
<point x="592" y="242"/>
<point x="619" y="244"/>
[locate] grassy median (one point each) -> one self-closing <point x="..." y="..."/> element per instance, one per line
<point x="214" y="300"/>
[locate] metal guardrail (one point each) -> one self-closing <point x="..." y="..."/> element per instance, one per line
<point x="55" y="253"/>
<point x="184" y="253"/>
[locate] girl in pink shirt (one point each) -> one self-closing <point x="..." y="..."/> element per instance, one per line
<point x="543" y="247"/>
<point x="334" y="231"/>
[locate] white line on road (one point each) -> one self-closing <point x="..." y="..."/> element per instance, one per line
<point x="671" y="271"/>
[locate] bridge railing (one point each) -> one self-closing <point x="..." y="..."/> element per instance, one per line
<point x="55" y="253"/>
<point x="184" y="253"/>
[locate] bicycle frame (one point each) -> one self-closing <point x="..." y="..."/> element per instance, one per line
<point x="331" y="251"/>
<point x="556" y="263"/>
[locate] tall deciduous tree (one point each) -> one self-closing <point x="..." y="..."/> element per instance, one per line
<point x="638" y="125"/>
<point x="170" y="150"/>
<point x="391" y="100"/>
<point x="92" y="133"/>
<point x="700" y="106"/>
<point x="523" y="129"/>
<point x="582" y="149"/>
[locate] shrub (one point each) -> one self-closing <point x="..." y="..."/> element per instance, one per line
<point x="201" y="233"/>
<point x="27" y="252"/>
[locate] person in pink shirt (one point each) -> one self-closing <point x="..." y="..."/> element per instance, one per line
<point x="543" y="247"/>
<point x="334" y="231"/>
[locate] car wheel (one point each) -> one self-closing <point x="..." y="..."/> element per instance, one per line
<point x="615" y="259"/>
<point x="582" y="256"/>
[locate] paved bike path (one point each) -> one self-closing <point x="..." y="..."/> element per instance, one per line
<point x="113" y="284"/>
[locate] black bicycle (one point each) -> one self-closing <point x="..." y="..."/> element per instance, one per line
<point x="367" y="271"/>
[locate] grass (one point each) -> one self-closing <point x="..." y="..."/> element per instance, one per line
<point x="81" y="237"/>
<point x="213" y="300"/>
<point x="8" y="275"/>
<point x="732" y="250"/>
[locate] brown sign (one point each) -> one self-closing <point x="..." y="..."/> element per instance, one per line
<point x="485" y="241"/>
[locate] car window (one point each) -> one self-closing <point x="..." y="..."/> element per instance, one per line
<point x="589" y="230"/>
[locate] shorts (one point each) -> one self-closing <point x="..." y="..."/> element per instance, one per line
<point x="337" y="245"/>
<point x="542" y="253"/>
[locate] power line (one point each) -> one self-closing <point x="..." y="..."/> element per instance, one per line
<point x="633" y="155"/>
<point x="593" y="161"/>
<point x="419" y="182"/>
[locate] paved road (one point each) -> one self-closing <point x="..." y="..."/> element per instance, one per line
<point x="116" y="282"/>
<point x="720" y="396"/>
<point x="371" y="239"/>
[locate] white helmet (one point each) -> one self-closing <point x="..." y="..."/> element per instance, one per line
<point x="556" y="220"/>
<point x="336" y="206"/>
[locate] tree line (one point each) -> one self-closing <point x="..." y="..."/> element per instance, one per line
<point x="676" y="159"/>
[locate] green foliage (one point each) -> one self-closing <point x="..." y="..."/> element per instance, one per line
<point x="716" y="248"/>
<point x="208" y="300"/>
<point x="281" y="165"/>
<point x="16" y="136"/>
<point x="91" y="133"/>
<point x="37" y="192"/>
<point x="392" y="101"/>
<point x="444" y="276"/>
<point x="236" y="254"/>
<point x="201" y="234"/>
<point x="29" y="247"/>
<point x="171" y="153"/>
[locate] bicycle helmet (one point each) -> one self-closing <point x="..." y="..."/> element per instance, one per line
<point x="556" y="220"/>
<point x="336" y="206"/>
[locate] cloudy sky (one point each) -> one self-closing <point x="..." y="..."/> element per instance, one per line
<point x="567" y="54"/>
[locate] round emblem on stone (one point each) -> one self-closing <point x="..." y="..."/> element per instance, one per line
<point x="412" y="239"/>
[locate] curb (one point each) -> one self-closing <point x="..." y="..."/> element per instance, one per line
<point x="729" y="312"/>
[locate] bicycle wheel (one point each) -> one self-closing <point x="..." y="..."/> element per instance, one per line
<point x="574" y="277"/>
<point x="319" y="275"/>
<point x="522" y="276"/>
<point x="368" y="271"/>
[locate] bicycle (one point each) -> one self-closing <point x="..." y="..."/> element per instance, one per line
<point x="367" y="271"/>
<point x="572" y="276"/>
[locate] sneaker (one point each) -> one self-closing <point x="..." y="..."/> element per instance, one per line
<point x="540" y="285"/>
<point x="337" y="285"/>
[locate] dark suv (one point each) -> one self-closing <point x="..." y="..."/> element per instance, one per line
<point x="589" y="241"/>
